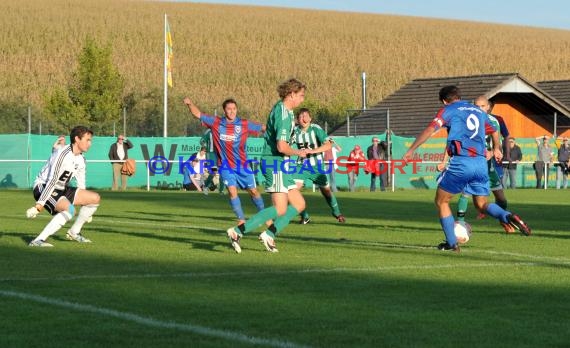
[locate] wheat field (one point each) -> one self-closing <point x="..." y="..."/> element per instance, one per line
<point x="244" y="52"/>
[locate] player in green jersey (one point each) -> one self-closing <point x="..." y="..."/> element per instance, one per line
<point x="275" y="164"/>
<point x="207" y="142"/>
<point x="310" y="136"/>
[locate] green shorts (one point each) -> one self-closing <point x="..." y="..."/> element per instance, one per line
<point x="319" y="179"/>
<point x="279" y="175"/>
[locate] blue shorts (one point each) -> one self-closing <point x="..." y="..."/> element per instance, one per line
<point x="238" y="178"/>
<point x="466" y="174"/>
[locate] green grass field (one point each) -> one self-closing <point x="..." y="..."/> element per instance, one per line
<point x="160" y="273"/>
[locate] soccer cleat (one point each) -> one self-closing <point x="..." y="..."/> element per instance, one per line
<point x="481" y="216"/>
<point x="509" y="229"/>
<point x="77" y="237"/>
<point x="515" y="221"/>
<point x="268" y="242"/>
<point x="446" y="247"/>
<point x="39" y="243"/>
<point x="234" y="239"/>
<point x="340" y="218"/>
<point x="304" y="221"/>
<point x="205" y="190"/>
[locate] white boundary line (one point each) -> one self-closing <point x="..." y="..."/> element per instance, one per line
<point x="205" y="331"/>
<point x="273" y="272"/>
<point x="229" y="335"/>
<point x="197" y="329"/>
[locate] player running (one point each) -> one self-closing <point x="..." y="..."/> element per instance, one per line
<point x="229" y="136"/>
<point x="285" y="196"/>
<point x="308" y="135"/>
<point x="467" y="170"/>
<point x="495" y="169"/>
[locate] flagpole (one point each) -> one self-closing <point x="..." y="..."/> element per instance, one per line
<point x="165" y="79"/>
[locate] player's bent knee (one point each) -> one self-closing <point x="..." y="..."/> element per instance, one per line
<point x="96" y="198"/>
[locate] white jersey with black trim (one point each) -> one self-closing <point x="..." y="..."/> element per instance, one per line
<point x="61" y="167"/>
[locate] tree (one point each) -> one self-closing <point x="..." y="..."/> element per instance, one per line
<point x="94" y="95"/>
<point x="13" y="117"/>
<point x="63" y="114"/>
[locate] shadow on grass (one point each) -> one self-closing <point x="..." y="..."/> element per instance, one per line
<point x="326" y="304"/>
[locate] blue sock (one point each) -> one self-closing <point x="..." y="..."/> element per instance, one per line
<point x="497" y="212"/>
<point x="448" y="225"/>
<point x="235" y="203"/>
<point x="258" y="201"/>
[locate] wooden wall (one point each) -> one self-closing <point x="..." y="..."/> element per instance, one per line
<point x="520" y="121"/>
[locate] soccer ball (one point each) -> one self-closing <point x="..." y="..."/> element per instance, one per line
<point x="462" y="231"/>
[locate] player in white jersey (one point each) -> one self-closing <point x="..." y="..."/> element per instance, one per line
<point x="52" y="190"/>
<point x="310" y="136"/>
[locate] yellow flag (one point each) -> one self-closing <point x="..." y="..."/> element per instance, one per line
<point x="168" y="44"/>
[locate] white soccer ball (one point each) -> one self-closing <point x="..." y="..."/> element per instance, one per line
<point x="462" y="231"/>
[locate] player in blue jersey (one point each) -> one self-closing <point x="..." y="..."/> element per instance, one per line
<point x="494" y="168"/>
<point x="229" y="136"/>
<point x="467" y="170"/>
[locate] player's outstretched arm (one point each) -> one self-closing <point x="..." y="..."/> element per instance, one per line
<point x="192" y="108"/>
<point x="424" y="135"/>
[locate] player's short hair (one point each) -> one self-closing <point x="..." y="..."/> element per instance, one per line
<point x="292" y="85"/>
<point x="449" y="94"/>
<point x="228" y="101"/>
<point x="303" y="110"/>
<point x="78" y="131"/>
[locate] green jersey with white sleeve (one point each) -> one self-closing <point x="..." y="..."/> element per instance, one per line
<point x="311" y="138"/>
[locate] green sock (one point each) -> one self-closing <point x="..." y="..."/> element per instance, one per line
<point x="282" y="221"/>
<point x="462" y="207"/>
<point x="259" y="219"/>
<point x="208" y="181"/>
<point x="331" y="201"/>
<point x="304" y="214"/>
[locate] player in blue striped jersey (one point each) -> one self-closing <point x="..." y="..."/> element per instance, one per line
<point x="229" y="135"/>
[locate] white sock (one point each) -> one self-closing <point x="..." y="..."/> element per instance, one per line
<point x="54" y="225"/>
<point x="85" y="213"/>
